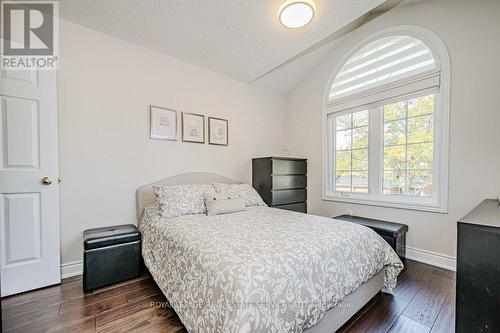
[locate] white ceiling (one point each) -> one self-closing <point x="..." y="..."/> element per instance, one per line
<point x="239" y="38"/>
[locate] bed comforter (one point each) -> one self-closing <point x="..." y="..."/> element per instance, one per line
<point x="262" y="269"/>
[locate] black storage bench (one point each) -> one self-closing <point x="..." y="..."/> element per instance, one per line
<point x="393" y="233"/>
<point x="110" y="255"/>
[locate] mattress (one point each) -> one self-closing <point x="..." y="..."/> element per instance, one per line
<point x="262" y="269"/>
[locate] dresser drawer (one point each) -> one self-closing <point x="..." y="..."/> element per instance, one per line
<point x="288" y="196"/>
<point x="289" y="182"/>
<point x="289" y="167"/>
<point x="300" y="207"/>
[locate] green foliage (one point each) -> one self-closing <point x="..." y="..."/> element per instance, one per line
<point x="360" y="159"/>
<point x="352" y="152"/>
<point x="343" y="160"/>
<point x="395" y="111"/>
<point x="360" y="137"/>
<point x="408" y="146"/>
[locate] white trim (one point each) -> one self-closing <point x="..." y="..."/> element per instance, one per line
<point x="71" y="269"/>
<point x="442" y="120"/>
<point x="386" y="203"/>
<point x="432" y="258"/>
<point x="375" y="196"/>
<point x="397" y="89"/>
<point x="429" y="38"/>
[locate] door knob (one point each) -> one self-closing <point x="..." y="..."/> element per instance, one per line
<point x="46" y="181"/>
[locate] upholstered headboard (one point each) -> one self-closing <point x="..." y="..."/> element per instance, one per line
<point x="145" y="194"/>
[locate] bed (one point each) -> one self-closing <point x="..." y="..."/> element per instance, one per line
<point x="262" y="269"/>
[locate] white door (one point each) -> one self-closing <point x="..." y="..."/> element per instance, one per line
<point x="29" y="203"/>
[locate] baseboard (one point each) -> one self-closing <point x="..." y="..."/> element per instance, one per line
<point x="431" y="258"/>
<point x="427" y="257"/>
<point x="71" y="269"/>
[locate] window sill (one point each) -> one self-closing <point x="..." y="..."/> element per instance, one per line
<point x="388" y="204"/>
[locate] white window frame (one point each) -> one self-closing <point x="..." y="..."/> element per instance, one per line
<point x="432" y="82"/>
<point x="332" y="144"/>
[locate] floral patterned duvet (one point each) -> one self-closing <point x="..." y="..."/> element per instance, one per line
<point x="262" y="269"/>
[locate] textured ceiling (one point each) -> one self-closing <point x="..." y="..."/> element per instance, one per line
<point x="239" y="38"/>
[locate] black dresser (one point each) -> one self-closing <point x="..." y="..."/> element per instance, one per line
<point x="478" y="270"/>
<point x="281" y="182"/>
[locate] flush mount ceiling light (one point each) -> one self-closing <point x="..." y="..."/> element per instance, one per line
<point x="296" y="13"/>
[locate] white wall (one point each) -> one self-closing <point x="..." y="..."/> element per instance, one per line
<point x="105" y="87"/>
<point x="471" y="32"/>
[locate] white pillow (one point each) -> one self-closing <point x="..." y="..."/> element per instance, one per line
<point x="247" y="192"/>
<point x="178" y="200"/>
<point x="223" y="203"/>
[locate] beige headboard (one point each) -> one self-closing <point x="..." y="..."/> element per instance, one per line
<point x="145" y="194"/>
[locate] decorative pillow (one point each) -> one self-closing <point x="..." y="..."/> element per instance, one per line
<point x="178" y="200"/>
<point x="247" y="192"/>
<point x="223" y="203"/>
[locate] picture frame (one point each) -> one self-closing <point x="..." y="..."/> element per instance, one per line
<point x="193" y="127"/>
<point x="218" y="130"/>
<point x="163" y="123"/>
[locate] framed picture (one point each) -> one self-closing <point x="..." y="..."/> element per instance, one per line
<point x="193" y="127"/>
<point x="217" y="131"/>
<point x="163" y="123"/>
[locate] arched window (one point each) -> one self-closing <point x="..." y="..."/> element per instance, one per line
<point x="386" y="122"/>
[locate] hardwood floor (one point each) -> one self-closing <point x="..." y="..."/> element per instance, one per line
<point x="424" y="301"/>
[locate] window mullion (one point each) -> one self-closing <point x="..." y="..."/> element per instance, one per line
<point x="352" y="146"/>
<point x="330" y="164"/>
<point x="405" y="190"/>
<point x="374" y="151"/>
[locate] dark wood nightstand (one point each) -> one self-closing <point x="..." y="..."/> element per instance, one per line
<point x="393" y="233"/>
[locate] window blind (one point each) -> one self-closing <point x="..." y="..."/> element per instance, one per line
<point x="386" y="60"/>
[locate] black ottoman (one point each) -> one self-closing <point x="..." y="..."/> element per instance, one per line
<point x="110" y="255"/>
<point x="393" y="233"/>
